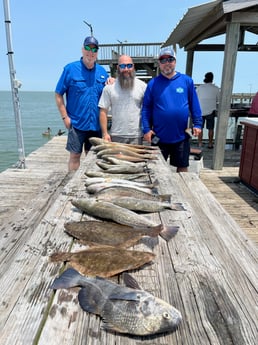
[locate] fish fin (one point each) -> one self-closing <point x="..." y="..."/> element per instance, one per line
<point x="125" y="296"/>
<point x="68" y="279"/>
<point x="155" y="183"/>
<point x="178" y="206"/>
<point x="130" y="281"/>
<point x="169" y="232"/>
<point x="90" y="299"/>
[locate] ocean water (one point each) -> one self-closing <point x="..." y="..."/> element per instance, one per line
<point x="38" y="112"/>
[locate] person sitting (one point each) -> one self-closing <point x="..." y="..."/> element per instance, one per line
<point x="60" y="132"/>
<point x="47" y="132"/>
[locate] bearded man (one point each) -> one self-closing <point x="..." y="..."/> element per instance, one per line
<point x="123" y="100"/>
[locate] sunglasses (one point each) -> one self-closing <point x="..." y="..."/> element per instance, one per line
<point x="88" y="48"/>
<point x="124" y="65"/>
<point x="164" y="60"/>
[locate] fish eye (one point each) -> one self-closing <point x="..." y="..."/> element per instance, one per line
<point x="166" y="315"/>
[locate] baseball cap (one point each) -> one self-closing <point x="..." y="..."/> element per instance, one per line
<point x="91" y="40"/>
<point x="167" y="51"/>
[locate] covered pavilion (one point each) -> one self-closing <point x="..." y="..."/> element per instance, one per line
<point x="230" y="17"/>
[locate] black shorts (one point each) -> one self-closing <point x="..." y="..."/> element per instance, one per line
<point x="178" y="153"/>
<point x="209" y="119"/>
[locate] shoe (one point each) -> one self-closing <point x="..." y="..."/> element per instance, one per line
<point x="210" y="147"/>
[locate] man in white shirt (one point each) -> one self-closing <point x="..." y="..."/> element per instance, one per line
<point x="124" y="100"/>
<point x="208" y="95"/>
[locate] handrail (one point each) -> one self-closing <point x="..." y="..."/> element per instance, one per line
<point x="135" y="50"/>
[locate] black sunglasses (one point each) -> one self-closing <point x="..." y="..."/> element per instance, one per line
<point x="164" y="60"/>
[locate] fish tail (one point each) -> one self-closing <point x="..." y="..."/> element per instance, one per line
<point x="168" y="232"/>
<point x="60" y="256"/>
<point x="155" y="230"/>
<point x="70" y="278"/>
<point x="178" y="206"/>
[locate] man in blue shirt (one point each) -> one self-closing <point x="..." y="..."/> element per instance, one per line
<point x="168" y="101"/>
<point x="82" y="83"/>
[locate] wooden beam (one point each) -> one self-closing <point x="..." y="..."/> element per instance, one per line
<point x="229" y="63"/>
<point x="221" y="47"/>
<point x="245" y="18"/>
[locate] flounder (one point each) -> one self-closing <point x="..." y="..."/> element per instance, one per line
<point x="104" y="261"/>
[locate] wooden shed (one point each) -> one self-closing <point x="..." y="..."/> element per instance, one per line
<point x="232" y="18"/>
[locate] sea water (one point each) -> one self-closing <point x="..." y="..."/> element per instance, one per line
<point x="38" y="112"/>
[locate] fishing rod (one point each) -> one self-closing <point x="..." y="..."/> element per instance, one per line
<point x="90" y="26"/>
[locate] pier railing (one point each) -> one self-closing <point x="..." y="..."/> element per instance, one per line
<point x="140" y="52"/>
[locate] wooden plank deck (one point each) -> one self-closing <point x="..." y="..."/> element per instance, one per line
<point x="239" y="201"/>
<point x="208" y="271"/>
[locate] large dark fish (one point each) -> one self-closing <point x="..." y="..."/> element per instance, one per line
<point x="122" y="309"/>
<point x="107" y="210"/>
<point x="104" y="261"/>
<point x="142" y="205"/>
<point x="119" y="191"/>
<point x="94" y="233"/>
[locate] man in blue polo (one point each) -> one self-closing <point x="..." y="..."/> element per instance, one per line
<point x="82" y="83"/>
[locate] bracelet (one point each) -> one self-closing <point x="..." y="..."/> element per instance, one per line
<point x="63" y="118"/>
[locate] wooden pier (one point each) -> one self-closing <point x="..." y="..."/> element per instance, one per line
<point x="208" y="271"/>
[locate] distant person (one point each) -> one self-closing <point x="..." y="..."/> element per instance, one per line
<point x="169" y="99"/>
<point x="47" y="132"/>
<point x="60" y="132"/>
<point x="82" y="83"/>
<point x="254" y="105"/>
<point x="124" y="100"/>
<point x="208" y="95"/>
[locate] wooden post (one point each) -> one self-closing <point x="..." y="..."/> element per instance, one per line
<point x="189" y="63"/>
<point x="231" y="47"/>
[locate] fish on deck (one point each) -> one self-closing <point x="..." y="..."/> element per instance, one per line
<point x="94" y="233"/>
<point x="107" y="210"/>
<point x="141" y="205"/>
<point x="108" y="194"/>
<point x="104" y="261"/>
<point x="99" y="141"/>
<point x="99" y="173"/>
<point x="122" y="168"/>
<point x="123" y="309"/>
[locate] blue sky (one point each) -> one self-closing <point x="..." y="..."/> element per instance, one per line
<point x="46" y="35"/>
